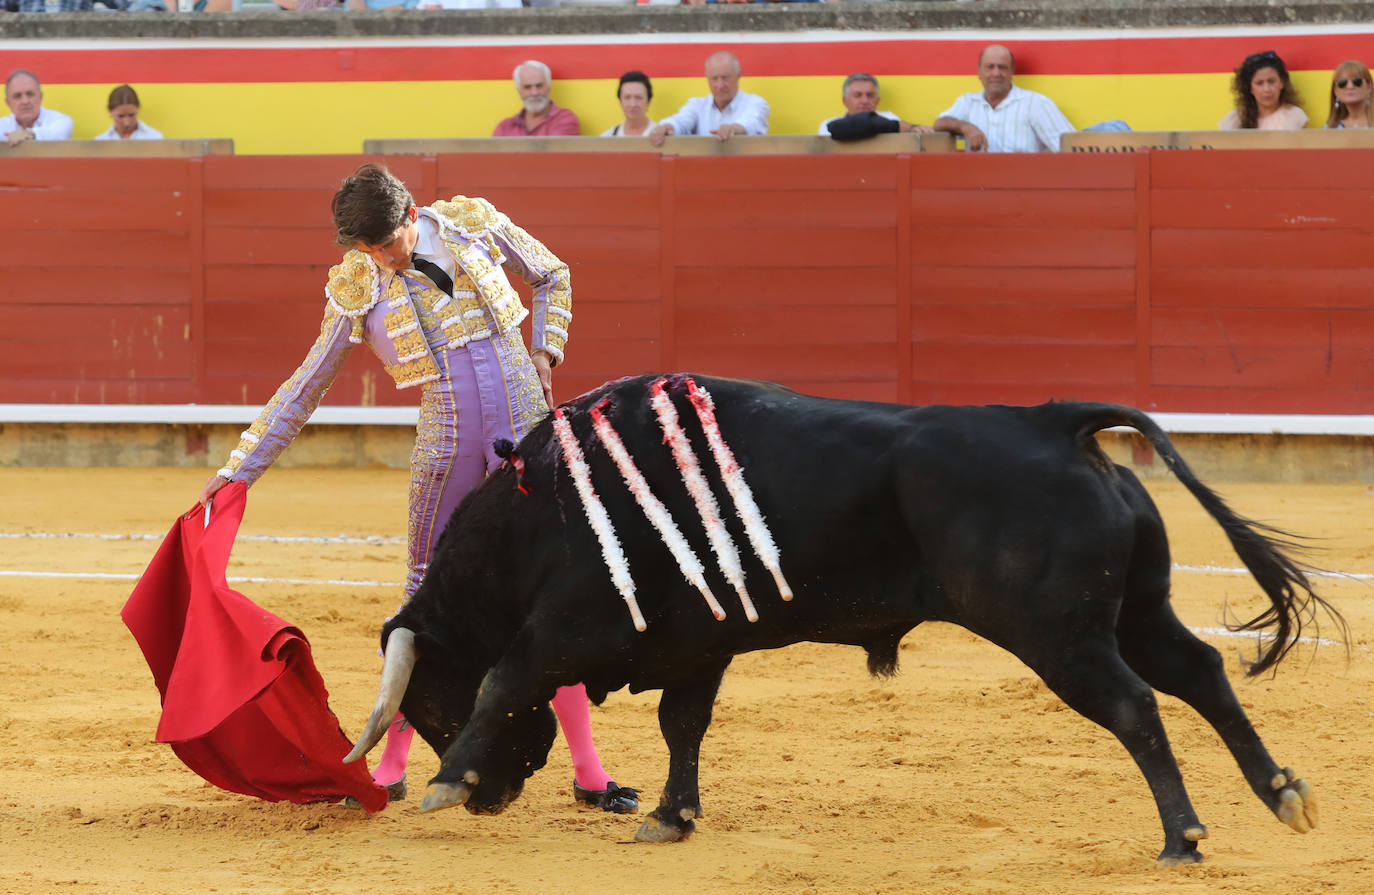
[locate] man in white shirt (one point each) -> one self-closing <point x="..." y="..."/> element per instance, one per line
<point x="727" y="112"/>
<point x="1003" y="117"/>
<point x="859" y="95"/>
<point x="28" y="120"/>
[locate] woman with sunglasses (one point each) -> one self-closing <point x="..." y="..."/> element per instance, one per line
<point x="1350" y="89"/>
<point x="1265" y="96"/>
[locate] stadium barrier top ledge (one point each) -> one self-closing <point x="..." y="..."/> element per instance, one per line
<point x="242" y="414"/>
<point x="774" y="144"/>
<point x="175" y="148"/>
<point x="890" y="16"/>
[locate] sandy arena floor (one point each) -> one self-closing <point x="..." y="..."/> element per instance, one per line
<point x="962" y="774"/>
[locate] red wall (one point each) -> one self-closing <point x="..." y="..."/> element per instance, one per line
<point x="1181" y="281"/>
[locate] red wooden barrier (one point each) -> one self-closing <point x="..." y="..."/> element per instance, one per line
<point x="1183" y="281"/>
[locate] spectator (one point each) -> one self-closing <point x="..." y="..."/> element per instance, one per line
<point x="860" y="97"/>
<point x="1265" y="97"/>
<point x="634" y="93"/>
<point x="539" y="117"/>
<point x="1350" y="89"/>
<point x="123" y="105"/>
<point x="727" y="112"/>
<point x="28" y="120"/>
<point x="1004" y="117"/>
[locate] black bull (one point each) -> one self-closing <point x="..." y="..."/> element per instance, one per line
<point x="1008" y="521"/>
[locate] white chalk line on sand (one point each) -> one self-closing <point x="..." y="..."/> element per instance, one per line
<point x="349" y="582"/>
<point x="269" y="539"/>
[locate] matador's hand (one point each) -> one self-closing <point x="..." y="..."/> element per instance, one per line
<point x="544" y="367"/>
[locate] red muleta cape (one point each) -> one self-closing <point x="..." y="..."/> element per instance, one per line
<point x="242" y="703"/>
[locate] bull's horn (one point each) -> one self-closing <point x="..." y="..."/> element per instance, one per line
<point x="396" y="669"/>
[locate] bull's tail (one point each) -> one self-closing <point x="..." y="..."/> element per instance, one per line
<point x="1293" y="604"/>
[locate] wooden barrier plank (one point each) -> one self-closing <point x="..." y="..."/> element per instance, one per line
<point x="246" y="208"/>
<point x="1007" y="363"/>
<point x="137" y="250"/>
<point x="1263" y="367"/>
<point x="1274" y="208"/>
<point x="49" y="176"/>
<point x="64" y="390"/>
<point x="149" y="286"/>
<point x="981" y="323"/>
<point x="235" y="281"/>
<point x="615" y="320"/>
<point x="597" y="357"/>
<point x="1020" y="171"/>
<point x="710" y="287"/>
<point x="726" y="247"/>
<point x="1195" y="399"/>
<point x="1249" y="169"/>
<point x="797" y="209"/>
<point x="270" y="245"/>
<point x="597" y="245"/>
<point x="797" y="325"/>
<point x="297" y="172"/>
<point x="1020" y="393"/>
<point x="783" y="363"/>
<point x="1262" y="287"/>
<point x="262" y="322"/>
<point x="1265" y="249"/>
<point x="1244" y="327"/>
<point x="119" y="341"/>
<point x="1049" y="208"/>
<point x="636" y="280"/>
<point x="576" y="207"/>
<point x="1087" y="287"/>
<point x="82" y="212"/>
<point x="764" y="173"/>
<point x="473" y="173"/>
<point x="987" y="247"/>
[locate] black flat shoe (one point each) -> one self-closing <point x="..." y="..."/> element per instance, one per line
<point x="616" y="799"/>
<point x="395" y="792"/>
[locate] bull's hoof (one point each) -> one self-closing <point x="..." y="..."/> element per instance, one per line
<point x="1169" y="858"/>
<point x="615" y="799"/>
<point x="445" y="795"/>
<point x="1184" y="852"/>
<point x="1297" y="804"/>
<point x="655" y="830"/>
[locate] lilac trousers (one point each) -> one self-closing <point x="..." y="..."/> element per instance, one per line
<point x="489" y="390"/>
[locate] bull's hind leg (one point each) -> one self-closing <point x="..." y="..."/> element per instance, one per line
<point x="1091" y="677"/>
<point x="684" y="713"/>
<point x="1172" y="660"/>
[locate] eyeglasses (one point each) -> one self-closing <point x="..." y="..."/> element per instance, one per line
<point x="1353" y="82"/>
<point x="1260" y="57"/>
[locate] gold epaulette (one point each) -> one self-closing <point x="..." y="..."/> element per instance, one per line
<point x="470" y="216"/>
<point x="353" y="288"/>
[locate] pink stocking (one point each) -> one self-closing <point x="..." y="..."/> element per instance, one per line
<point x="570" y="704"/>
<point x="392" y="767"/>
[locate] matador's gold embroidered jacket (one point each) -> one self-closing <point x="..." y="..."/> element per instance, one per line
<point x="405" y="322"/>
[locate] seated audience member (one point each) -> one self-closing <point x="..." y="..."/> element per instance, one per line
<point x="1265" y="97"/>
<point x="1350" y="89"/>
<point x="634" y="93"/>
<point x="1003" y="117"/>
<point x="539" y="117"/>
<point x="861" y="117"/>
<point x="28" y="120"/>
<point x="727" y="112"/>
<point x="123" y="105"/>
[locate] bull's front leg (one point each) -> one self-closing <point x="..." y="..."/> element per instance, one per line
<point x="684" y="713"/>
<point x="506" y="740"/>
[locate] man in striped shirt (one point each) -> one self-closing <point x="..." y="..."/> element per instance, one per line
<point x="1003" y="117"/>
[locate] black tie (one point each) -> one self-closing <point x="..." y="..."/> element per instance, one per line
<point x="435" y="273"/>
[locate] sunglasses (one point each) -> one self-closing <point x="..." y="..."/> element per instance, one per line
<point x="1260" y="57"/>
<point x="1353" y="82"/>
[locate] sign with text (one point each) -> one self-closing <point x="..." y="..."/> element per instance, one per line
<point x="1140" y="141"/>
